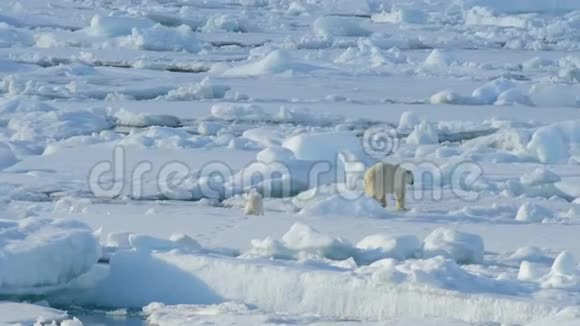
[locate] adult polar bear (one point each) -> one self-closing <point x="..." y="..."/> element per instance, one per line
<point x="384" y="178"/>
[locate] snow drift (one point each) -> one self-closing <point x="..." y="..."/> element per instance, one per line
<point x="39" y="252"/>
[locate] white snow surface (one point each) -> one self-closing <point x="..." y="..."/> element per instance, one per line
<point x="131" y="130"/>
<point x="12" y="313"/>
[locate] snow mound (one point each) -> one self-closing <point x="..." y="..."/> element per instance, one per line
<point x="531" y="212"/>
<point x="437" y="58"/>
<point x="464" y="248"/>
<point x="342" y="204"/>
<point x="160" y="137"/>
<point x="328" y="26"/>
<point x="277" y="61"/>
<point x="366" y="53"/>
<point x="71" y="205"/>
<point x="162" y="38"/>
<point x="437" y="273"/>
<point x="424" y="134"/>
<point x="408" y="121"/>
<point x="275" y="154"/>
<point x="323" y="146"/>
<point x="513" y="96"/>
<point x="486" y="16"/>
<point x="539" y="176"/>
<point x="500" y="91"/>
<point x="60" y="249"/>
<point x="563" y="274"/>
<point x="143" y="120"/>
<point x="555" y="143"/>
<point x="149" y="243"/>
<point x="380" y="246"/>
<point x="34" y="126"/>
<point x="228" y="23"/>
<point x="448" y="96"/>
<point x="529" y="272"/>
<point x="209" y="128"/>
<point x="15" y="313"/>
<point x="302" y="242"/>
<point x="205" y="89"/>
<point x="111" y="26"/>
<point x="7" y="157"/>
<point x="488" y="93"/>
<point x="243" y="112"/>
<point x="401" y="16"/>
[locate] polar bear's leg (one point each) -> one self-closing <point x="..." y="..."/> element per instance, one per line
<point x="383" y="199"/>
<point x="400" y="198"/>
<point x="400" y="192"/>
<point x="374" y="184"/>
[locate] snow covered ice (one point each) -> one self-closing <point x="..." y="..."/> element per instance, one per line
<point x="131" y="133"/>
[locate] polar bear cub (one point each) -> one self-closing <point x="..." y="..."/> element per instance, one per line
<point x="384" y="178"/>
<point x="254" y="203"/>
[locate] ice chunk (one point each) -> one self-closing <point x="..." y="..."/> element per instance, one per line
<point x="323" y="146"/>
<point x="303" y="238"/>
<point x="539" y="176"/>
<point x="408" y="121"/>
<point x="345" y="204"/>
<point x="61" y="249"/>
<point x="438" y="59"/>
<point x="328" y="26"/>
<point x="553" y="143"/>
<point x="401" y="16"/>
<point x="57" y="124"/>
<point x="531" y="212"/>
<point x="448" y="96"/>
<point x="228" y="111"/>
<point x="209" y="128"/>
<point x="563" y="273"/>
<point x="111" y="26"/>
<point x="228" y="23"/>
<point x="464" y="248"/>
<point x="119" y="240"/>
<point x="275" y="62"/>
<point x="142" y="120"/>
<point x="161" y="38"/>
<point x="423" y="134"/>
<point x="275" y="154"/>
<point x="206" y="89"/>
<point x="380" y="246"/>
<point x="16" y="313"/>
<point x="529" y="272"/>
<point x="488" y="93"/>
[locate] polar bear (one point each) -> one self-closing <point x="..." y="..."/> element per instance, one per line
<point x="384" y="178"/>
<point x="254" y="203"/>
